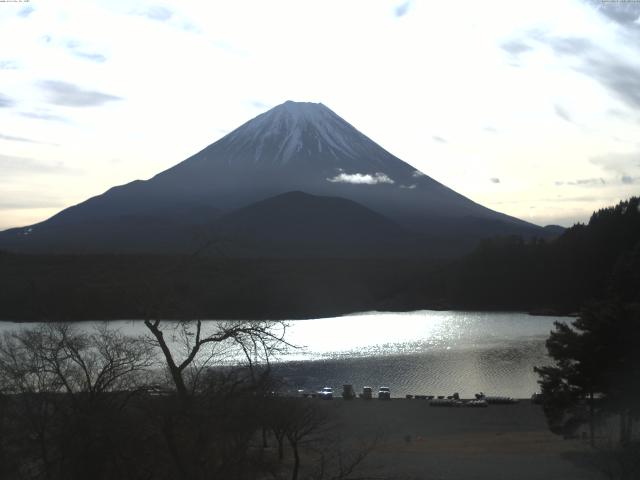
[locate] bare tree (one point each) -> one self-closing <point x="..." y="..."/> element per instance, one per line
<point x="306" y="419"/>
<point x="68" y="389"/>
<point x="248" y="342"/>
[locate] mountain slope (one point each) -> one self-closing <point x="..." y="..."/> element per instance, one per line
<point x="294" y="146"/>
<point x="296" y="224"/>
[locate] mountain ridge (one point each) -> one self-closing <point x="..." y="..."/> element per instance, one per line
<point x="297" y="224"/>
<point x="293" y="146"/>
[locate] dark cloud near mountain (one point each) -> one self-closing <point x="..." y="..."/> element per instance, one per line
<point x="495" y="180"/>
<point x="562" y="113"/>
<point x="6" y="102"/>
<point x="43" y="116"/>
<point x="402" y="9"/>
<point x="70" y="95"/>
<point x="439" y="139"/>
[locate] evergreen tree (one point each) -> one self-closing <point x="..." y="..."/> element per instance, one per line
<point x="596" y="370"/>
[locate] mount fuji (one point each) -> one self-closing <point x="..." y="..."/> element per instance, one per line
<point x="347" y="187"/>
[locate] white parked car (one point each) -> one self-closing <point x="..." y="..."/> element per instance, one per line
<point x="326" y="393"/>
<point x="384" y="393"/>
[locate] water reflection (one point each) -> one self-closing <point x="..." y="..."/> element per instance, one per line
<point x="430" y="353"/>
<point x="421" y="352"/>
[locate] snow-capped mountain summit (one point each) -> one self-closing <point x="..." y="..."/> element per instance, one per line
<point x="295" y="146"/>
<point x="302" y="132"/>
<point x="302" y="137"/>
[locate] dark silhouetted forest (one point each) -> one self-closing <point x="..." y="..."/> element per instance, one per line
<point x="587" y="262"/>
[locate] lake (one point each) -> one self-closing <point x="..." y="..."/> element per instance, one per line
<point x="421" y="352"/>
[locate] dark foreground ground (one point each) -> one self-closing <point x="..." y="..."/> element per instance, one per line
<point x="416" y="441"/>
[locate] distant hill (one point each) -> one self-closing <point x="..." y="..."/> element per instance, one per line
<point x="293" y="147"/>
<point x="296" y="224"/>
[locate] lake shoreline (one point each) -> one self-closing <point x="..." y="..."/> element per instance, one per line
<point x="532" y="313"/>
<point x="420" y="352"/>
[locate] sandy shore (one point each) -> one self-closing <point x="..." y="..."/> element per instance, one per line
<point x="416" y="441"/>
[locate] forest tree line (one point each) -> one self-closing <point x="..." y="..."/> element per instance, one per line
<point x="588" y="261"/>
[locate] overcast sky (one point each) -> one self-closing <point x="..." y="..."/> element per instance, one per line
<point x="528" y="107"/>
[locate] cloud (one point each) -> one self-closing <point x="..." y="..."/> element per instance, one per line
<point x="568" y="45"/>
<point x="627" y="180"/>
<point x="622" y="78"/>
<point x="43" y="116"/>
<point x="94" y="57"/>
<point x="490" y="129"/>
<point x="361" y="179"/>
<point x="562" y="113"/>
<point x="26" y="11"/>
<point x="10" y="164"/>
<point x="70" y="95"/>
<point x="582" y="182"/>
<point x="75" y="48"/>
<point x="619" y="163"/>
<point x="11" y="138"/>
<point x="157" y="13"/>
<point x="8" y="65"/>
<point x="616" y="74"/>
<point x="6" y="102"/>
<point x="402" y="9"/>
<point x="439" y="139"/>
<point x="409" y="187"/>
<point x="494" y="180"/>
<point x="515" y="47"/>
<point x="623" y="13"/>
<point x="418" y="173"/>
<point x="588" y="181"/>
<point x="258" y="104"/>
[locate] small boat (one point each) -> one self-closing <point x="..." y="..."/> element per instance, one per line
<point x="497" y="400"/>
<point x="444" y="402"/>
<point x="476" y="403"/>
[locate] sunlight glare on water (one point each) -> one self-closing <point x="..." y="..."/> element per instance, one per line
<point x="422" y="352"/>
<point x="391" y="333"/>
